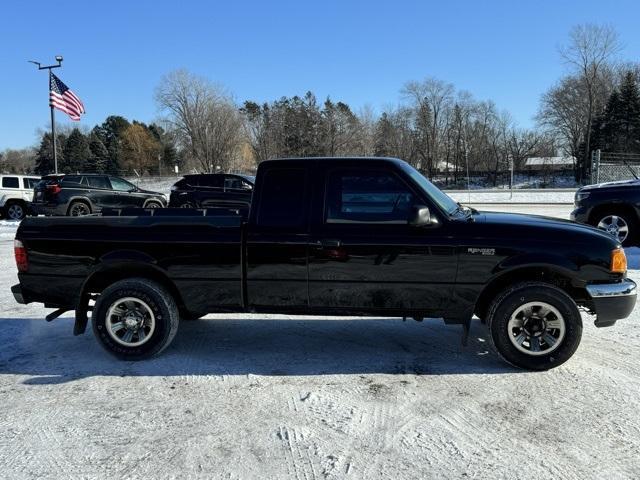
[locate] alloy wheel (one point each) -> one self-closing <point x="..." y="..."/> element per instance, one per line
<point x="616" y="226"/>
<point x="536" y="328"/>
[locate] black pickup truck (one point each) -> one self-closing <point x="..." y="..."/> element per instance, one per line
<point x="362" y="236"/>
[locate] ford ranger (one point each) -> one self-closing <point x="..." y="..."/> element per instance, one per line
<point x="326" y="236"/>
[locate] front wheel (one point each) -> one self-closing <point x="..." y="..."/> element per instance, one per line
<point x="153" y="204"/>
<point x="535" y="326"/>
<point x="619" y="224"/>
<point x="135" y="319"/>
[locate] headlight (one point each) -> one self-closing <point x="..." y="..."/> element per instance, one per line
<point x="580" y="196"/>
<point x="618" y="261"/>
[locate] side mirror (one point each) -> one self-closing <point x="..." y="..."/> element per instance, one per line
<point x="420" y="216"/>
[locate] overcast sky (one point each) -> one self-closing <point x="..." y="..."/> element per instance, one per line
<point x="358" y="52"/>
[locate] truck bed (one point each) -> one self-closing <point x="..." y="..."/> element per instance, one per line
<point x="200" y="254"/>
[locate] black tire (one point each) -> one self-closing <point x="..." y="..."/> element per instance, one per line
<point x="627" y="216"/>
<point x="153" y="296"/>
<point x="78" y="209"/>
<point x="15" y="210"/>
<point x="510" y="301"/>
<point x="153" y="204"/>
<point x="187" y="205"/>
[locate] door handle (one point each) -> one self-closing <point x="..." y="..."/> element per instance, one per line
<point x="328" y="243"/>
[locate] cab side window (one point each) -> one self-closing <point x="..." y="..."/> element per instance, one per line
<point x="367" y="197"/>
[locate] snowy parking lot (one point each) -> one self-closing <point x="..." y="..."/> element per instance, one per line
<point x="270" y="396"/>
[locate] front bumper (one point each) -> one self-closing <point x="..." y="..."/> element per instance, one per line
<point x="612" y="301"/>
<point x="580" y="214"/>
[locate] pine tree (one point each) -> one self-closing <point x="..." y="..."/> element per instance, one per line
<point x="99" y="159"/>
<point x="629" y="127"/>
<point x="76" y="153"/>
<point x="44" y="155"/>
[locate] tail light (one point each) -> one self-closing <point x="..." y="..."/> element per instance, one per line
<point x="54" y="189"/>
<point x="618" y="261"/>
<point x="22" y="261"/>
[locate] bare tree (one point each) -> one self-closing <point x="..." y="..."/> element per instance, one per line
<point x="204" y="118"/>
<point x="589" y="50"/>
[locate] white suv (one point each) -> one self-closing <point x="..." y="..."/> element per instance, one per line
<point x="16" y="193"/>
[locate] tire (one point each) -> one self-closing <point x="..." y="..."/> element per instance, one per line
<point x="558" y="318"/>
<point x="617" y="222"/>
<point x="78" y="209"/>
<point x="153" y="204"/>
<point x="187" y="205"/>
<point x="140" y="300"/>
<point x="15" y="211"/>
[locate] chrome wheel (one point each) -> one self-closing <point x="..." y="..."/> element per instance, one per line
<point x="15" y="212"/>
<point x="616" y="226"/>
<point x="79" y="209"/>
<point x="130" y="322"/>
<point x="536" y="328"/>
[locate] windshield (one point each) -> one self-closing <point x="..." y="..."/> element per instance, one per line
<point x="438" y="196"/>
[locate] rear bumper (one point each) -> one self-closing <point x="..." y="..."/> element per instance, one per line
<point x="613" y="301"/>
<point x="45" y="209"/>
<point x="16" y="290"/>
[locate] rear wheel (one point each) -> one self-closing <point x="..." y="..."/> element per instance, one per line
<point x="535" y="326"/>
<point x="153" y="204"/>
<point x="78" y="209"/>
<point x="15" y="211"/>
<point x="135" y="319"/>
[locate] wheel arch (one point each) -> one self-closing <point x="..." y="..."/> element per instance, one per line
<point x="610" y="207"/>
<point x="556" y="275"/>
<point x="86" y="200"/>
<point x="127" y="267"/>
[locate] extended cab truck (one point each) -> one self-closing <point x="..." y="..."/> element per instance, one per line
<point x="365" y="236"/>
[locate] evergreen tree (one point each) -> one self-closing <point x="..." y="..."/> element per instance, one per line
<point x="99" y="159"/>
<point x="44" y="155"/>
<point x="629" y="128"/>
<point x="76" y="153"/>
<point x="110" y="132"/>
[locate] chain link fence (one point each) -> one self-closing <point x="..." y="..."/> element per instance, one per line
<point x="612" y="166"/>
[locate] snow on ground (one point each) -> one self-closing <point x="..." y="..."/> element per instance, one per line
<point x="269" y="396"/>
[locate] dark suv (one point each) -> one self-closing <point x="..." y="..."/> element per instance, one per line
<point x="613" y="207"/>
<point x="209" y="190"/>
<point x="83" y="194"/>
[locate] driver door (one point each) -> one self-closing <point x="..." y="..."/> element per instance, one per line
<point x="365" y="257"/>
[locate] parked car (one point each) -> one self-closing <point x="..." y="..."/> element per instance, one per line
<point x="77" y="195"/>
<point x="16" y="192"/>
<point x="613" y="207"/>
<point x="364" y="236"/>
<point x="212" y="190"/>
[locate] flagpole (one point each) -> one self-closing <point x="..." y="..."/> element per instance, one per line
<point x="53" y="118"/>
<point x="53" y="135"/>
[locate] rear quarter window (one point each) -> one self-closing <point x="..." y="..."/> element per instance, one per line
<point x="282" y="201"/>
<point x="10" y="182"/>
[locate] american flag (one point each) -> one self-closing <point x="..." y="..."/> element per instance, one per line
<point x="63" y="99"/>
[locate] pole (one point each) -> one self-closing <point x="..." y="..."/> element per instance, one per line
<point x="53" y="135"/>
<point x="511" y="196"/>
<point x="53" y="118"/>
